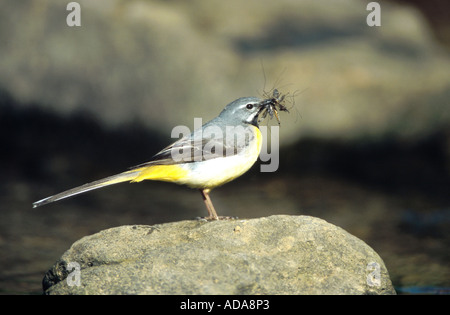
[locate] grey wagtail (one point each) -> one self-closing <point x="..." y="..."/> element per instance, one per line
<point x="218" y="152"/>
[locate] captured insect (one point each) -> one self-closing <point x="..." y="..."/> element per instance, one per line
<point x="271" y="104"/>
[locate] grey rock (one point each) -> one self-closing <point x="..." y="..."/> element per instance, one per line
<point x="271" y="255"/>
<point x="145" y="60"/>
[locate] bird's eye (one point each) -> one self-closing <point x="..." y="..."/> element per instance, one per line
<point x="249" y="106"/>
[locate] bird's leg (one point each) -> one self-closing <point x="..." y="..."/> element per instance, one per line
<point x="209" y="206"/>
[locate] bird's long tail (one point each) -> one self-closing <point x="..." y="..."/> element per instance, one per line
<point x="115" y="179"/>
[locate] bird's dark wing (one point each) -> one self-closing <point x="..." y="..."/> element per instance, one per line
<point x="188" y="150"/>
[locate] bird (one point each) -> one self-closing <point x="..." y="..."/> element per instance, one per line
<point x="214" y="154"/>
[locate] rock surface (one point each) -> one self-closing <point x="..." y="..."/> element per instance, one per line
<point x="132" y="59"/>
<point x="271" y="255"/>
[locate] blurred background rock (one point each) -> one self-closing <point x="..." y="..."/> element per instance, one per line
<point x="366" y="145"/>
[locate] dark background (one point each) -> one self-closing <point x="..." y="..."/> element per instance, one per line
<point x="366" y="145"/>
